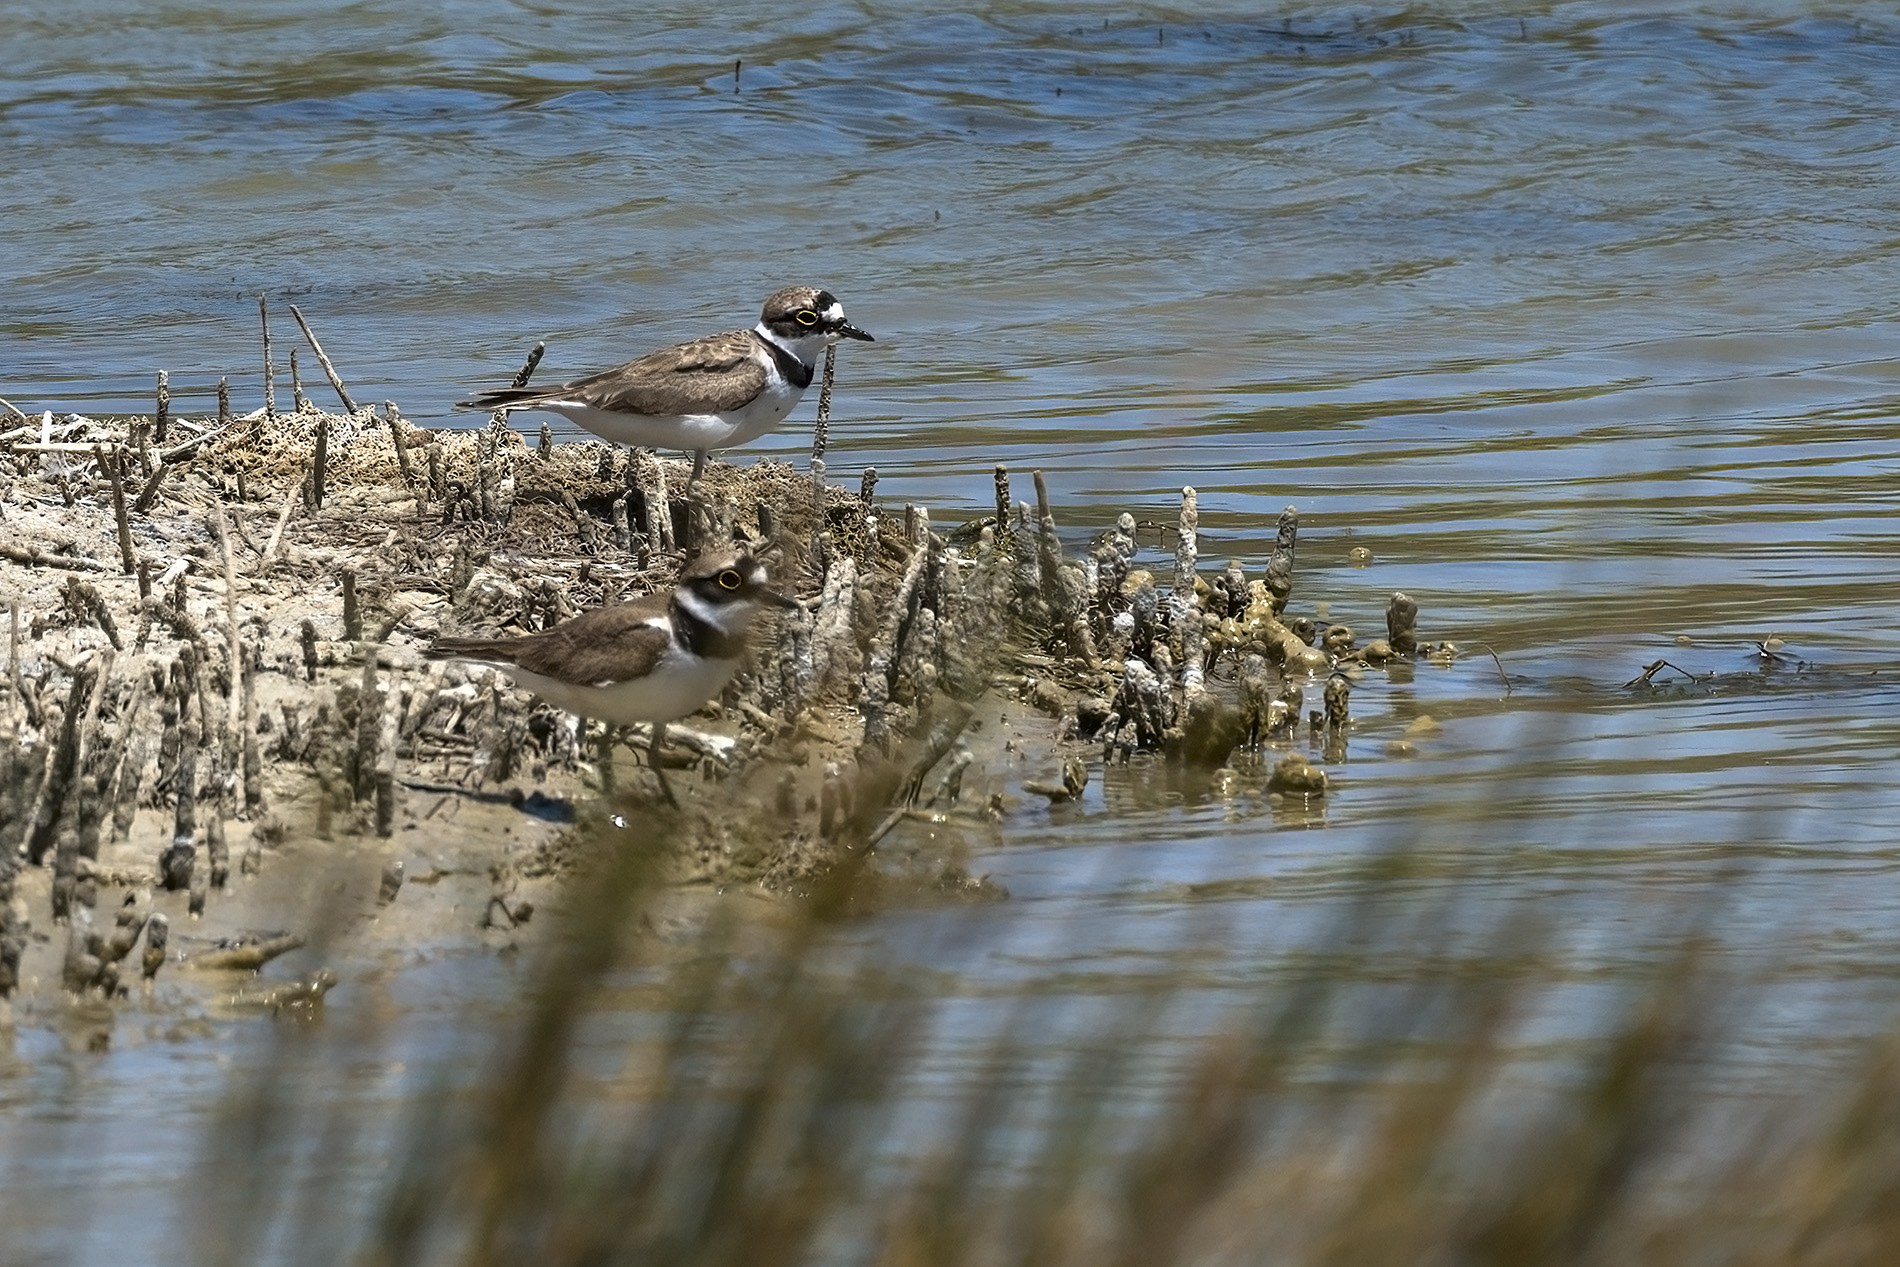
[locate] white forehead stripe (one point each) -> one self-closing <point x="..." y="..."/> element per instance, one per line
<point x="835" y="312"/>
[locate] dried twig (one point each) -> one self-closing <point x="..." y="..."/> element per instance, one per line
<point x="149" y="493"/>
<point x="500" y="416"/>
<point x="1502" y="675"/>
<point x="235" y="719"/>
<point x="821" y="431"/>
<point x="526" y="371"/>
<point x="1651" y="669"/>
<point x="320" y="464"/>
<point x="270" y="373"/>
<point x="113" y="459"/>
<point x="179" y="452"/>
<point x="349" y="406"/>
<point x="283" y="517"/>
<point x="394" y="417"/>
<point x="161" y="420"/>
<point x="33" y="556"/>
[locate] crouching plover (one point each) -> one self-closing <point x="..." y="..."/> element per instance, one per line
<point x="652" y="660"/>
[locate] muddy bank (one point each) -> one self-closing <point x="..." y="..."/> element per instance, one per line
<point x="216" y="689"/>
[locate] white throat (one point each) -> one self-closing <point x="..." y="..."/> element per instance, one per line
<point x="806" y="349"/>
<point x="730" y="619"/>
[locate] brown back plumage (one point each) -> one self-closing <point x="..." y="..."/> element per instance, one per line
<point x="616" y="643"/>
<point x="718" y="373"/>
<point x="608" y="644"/>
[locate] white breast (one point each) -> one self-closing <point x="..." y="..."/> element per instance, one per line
<point x="685" y="431"/>
<point x="678" y="685"/>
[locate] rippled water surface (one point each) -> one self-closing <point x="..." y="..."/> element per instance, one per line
<point x="1583" y="321"/>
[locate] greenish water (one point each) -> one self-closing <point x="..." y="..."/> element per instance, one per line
<point x="1583" y="321"/>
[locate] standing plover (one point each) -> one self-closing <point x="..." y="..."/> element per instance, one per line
<point x="711" y="393"/>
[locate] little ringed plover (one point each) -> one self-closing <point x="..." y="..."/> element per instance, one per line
<point x="652" y="660"/>
<point x="712" y="393"/>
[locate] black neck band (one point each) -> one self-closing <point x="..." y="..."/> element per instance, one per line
<point x="703" y="638"/>
<point x="796" y="372"/>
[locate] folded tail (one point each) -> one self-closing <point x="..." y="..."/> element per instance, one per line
<point x="505" y="398"/>
<point x="493" y="650"/>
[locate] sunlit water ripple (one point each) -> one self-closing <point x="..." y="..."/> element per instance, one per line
<point x="1584" y="324"/>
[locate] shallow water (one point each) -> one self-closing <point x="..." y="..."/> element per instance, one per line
<point x="1582" y="322"/>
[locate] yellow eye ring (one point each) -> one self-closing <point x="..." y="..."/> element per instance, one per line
<point x="806" y="317"/>
<point x="730" y="580"/>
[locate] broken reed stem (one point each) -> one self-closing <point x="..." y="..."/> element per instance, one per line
<point x="41" y="819"/>
<point x="66" y="446"/>
<point x="252" y="758"/>
<point x="283" y="517"/>
<point x="224" y="402"/>
<point x="485" y="445"/>
<point x="349" y="406"/>
<point x="127" y="559"/>
<point x="84" y="595"/>
<point x="179" y="452"/>
<point x="1187" y="551"/>
<point x="95" y="697"/>
<point x="162" y="419"/>
<point x="321" y="462"/>
<point x="821" y="432"/>
<point x="230" y="616"/>
<point x="500" y="417"/>
<point x="1401" y="625"/>
<point x="369" y="729"/>
<point x="296" y="383"/>
<point x="526" y="371"/>
<point x="149" y="493"/>
<point x="33" y="556"/>
<point x="308" y="640"/>
<point x="1048" y="547"/>
<point x="1002" y="498"/>
<point x="660" y="510"/>
<point x="818" y="508"/>
<point x="270" y="373"/>
<point x="394" y="417"/>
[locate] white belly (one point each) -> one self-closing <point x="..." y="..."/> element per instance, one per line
<point x="684" y="431"/>
<point x="678" y="685"/>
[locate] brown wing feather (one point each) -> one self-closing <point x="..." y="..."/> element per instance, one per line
<point x="715" y="374"/>
<point x="712" y="375"/>
<point x="608" y="644"/>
